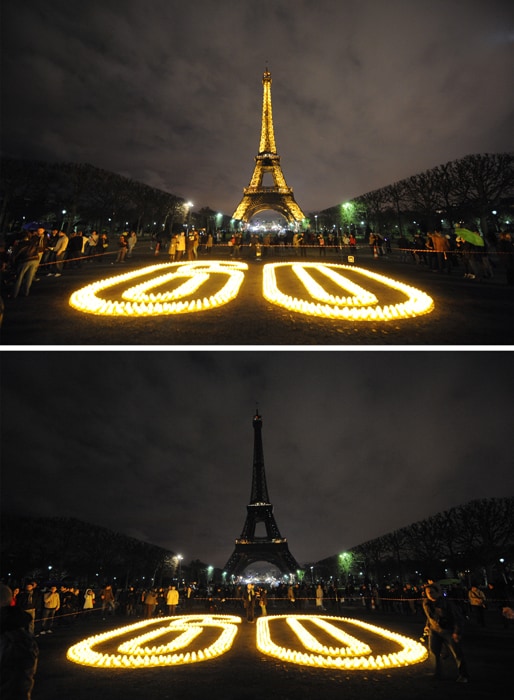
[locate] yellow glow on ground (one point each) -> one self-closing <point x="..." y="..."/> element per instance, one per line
<point x="361" y="306"/>
<point x="136" y="652"/>
<point x="140" y="648"/>
<point x="139" y="301"/>
<point x="185" y="281"/>
<point x="354" y="656"/>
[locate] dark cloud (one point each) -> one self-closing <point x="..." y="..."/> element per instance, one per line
<point x="364" y="92"/>
<point x="159" y="445"/>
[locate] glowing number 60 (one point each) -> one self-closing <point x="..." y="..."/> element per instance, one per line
<point x="348" y="653"/>
<point x="354" y="303"/>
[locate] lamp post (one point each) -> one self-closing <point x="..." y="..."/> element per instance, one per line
<point x="504" y="575"/>
<point x="63" y="219"/>
<point x="188" y="206"/>
<point x="179" y="557"/>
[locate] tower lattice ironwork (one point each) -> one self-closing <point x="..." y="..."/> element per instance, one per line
<point x="271" y="547"/>
<point x="258" y="197"/>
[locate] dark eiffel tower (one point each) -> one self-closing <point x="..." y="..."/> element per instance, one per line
<point x="272" y="547"/>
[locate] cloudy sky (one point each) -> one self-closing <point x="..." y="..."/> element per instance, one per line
<point x="159" y="445"/>
<point x="365" y="92"/>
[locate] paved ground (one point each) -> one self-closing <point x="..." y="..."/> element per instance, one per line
<point x="244" y="673"/>
<point x="467" y="312"/>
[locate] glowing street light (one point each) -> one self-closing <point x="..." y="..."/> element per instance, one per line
<point x="188" y="206"/>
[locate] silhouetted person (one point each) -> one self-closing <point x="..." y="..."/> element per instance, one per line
<point x="443" y="625"/>
<point x="18" y="650"/>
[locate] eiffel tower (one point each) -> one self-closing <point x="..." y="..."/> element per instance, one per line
<point x="272" y="547"/>
<point x="279" y="197"/>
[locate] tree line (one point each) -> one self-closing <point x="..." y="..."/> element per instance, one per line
<point x="59" y="548"/>
<point x="70" y="195"/>
<point x="477" y="190"/>
<point x="474" y="541"/>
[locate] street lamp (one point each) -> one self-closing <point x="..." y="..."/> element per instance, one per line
<point x="179" y="557"/>
<point x="63" y="219"/>
<point x="188" y="206"/>
<point x="316" y="222"/>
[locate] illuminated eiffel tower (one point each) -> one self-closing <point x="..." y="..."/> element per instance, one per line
<point x="278" y="197"/>
<point x="271" y="547"/>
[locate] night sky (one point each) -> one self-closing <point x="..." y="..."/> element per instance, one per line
<point x="159" y="445"/>
<point x="365" y="92"/>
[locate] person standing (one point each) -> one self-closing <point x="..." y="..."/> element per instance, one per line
<point x="319" y="597"/>
<point x="27" y="260"/>
<point x="59" y="251"/>
<point x="196" y="243"/>
<point x="172" y="599"/>
<point x="263" y="601"/>
<point x="28" y="600"/>
<point x="90" y="245"/>
<point x="107" y="596"/>
<point x="181" y="246"/>
<point x="18" y="650"/>
<point x="291" y="595"/>
<point x="89" y="599"/>
<point x="505" y="251"/>
<point x="321" y="244"/>
<point x="122" y="248"/>
<point x="132" y="240"/>
<point x="51" y="604"/>
<point x="249" y="602"/>
<point x="443" y="626"/>
<point x="476" y="599"/>
<point x="441" y="247"/>
<point x="190" y="244"/>
<point x="150" y="601"/>
<point x="172" y="250"/>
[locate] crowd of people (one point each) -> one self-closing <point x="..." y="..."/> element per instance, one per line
<point x="36" y="251"/>
<point x="64" y="603"/>
<point x="447" y="253"/>
<point x="27" y="613"/>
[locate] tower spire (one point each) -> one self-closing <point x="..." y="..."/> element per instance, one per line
<point x="267" y="142"/>
<point x="259" y="487"/>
